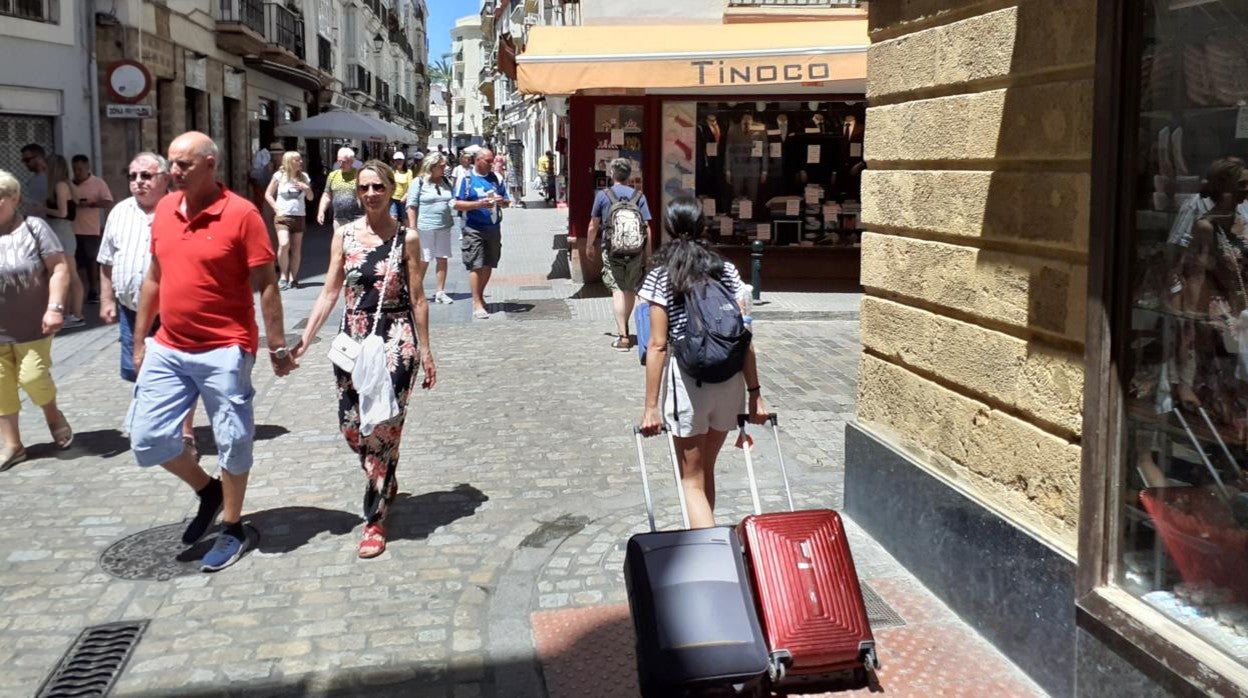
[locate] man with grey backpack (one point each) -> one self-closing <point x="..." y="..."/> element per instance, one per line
<point x="622" y="216"/>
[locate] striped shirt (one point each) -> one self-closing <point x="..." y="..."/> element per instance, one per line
<point x="655" y="289"/>
<point x="127" y="247"/>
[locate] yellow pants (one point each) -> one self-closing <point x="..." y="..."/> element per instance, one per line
<point x="29" y="365"/>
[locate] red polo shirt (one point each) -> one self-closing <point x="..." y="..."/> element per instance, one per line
<point x="206" y="299"/>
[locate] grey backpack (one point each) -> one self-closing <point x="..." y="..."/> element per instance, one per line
<point x="624" y="228"/>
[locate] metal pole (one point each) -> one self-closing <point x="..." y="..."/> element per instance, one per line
<point x="756" y="269"/>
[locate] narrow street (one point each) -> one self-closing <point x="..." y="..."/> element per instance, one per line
<point x="518" y="490"/>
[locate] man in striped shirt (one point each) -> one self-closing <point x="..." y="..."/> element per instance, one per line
<point x="125" y="254"/>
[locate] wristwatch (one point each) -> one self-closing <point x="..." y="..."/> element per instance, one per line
<point x="283" y="353"/>
<point x="58" y="307"/>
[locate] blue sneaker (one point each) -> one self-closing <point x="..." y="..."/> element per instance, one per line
<point x="225" y="552"/>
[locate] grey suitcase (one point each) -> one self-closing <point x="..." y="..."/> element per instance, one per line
<point x="693" y="609"/>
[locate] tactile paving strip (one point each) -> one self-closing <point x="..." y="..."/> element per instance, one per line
<point x="92" y="664"/>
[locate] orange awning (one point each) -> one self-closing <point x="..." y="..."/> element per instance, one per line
<point x="562" y="60"/>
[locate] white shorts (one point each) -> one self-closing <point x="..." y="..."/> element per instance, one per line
<point x="435" y="244"/>
<point x="690" y="409"/>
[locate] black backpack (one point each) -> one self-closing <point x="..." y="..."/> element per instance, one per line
<point x="715" y="342"/>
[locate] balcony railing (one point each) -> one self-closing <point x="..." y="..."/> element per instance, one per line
<point x="794" y="3"/>
<point x="324" y="54"/>
<point x="285" y="28"/>
<point x="249" y="13"/>
<point x="375" y="6"/>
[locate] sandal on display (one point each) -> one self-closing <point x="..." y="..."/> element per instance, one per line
<point x="62" y="434"/>
<point x="8" y="459"/>
<point x="374" y="542"/>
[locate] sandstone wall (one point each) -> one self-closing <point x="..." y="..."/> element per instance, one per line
<point x="977" y="198"/>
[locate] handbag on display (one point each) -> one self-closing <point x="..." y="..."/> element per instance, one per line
<point x="344" y="350"/>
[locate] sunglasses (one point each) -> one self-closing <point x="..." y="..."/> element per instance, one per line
<point x="375" y="186"/>
<point x="144" y="176"/>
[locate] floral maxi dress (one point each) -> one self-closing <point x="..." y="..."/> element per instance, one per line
<point x="365" y="269"/>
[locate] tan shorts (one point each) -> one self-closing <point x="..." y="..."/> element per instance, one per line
<point x="294" y="225"/>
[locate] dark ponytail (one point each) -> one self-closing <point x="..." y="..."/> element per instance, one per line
<point x="685" y="255"/>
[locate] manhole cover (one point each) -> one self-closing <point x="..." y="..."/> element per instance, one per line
<point x="92" y="664"/>
<point x="879" y="613"/>
<point x="158" y="554"/>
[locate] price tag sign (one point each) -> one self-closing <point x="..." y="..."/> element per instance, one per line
<point x="1241" y="123"/>
<point x="712" y="150"/>
<point x="725" y="227"/>
<point x="855" y="150"/>
<point x="617" y="136"/>
<point x="747" y="210"/>
<point x="756" y="150"/>
<point x="792" y="207"/>
<point x="775" y="149"/>
<point x="813" y="153"/>
<point x="687" y="181"/>
<point x="763" y="232"/>
<point x="708" y="207"/>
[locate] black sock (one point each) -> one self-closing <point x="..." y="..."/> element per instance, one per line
<point x="236" y="529"/>
<point x="213" y="484"/>
<point x="210" y="500"/>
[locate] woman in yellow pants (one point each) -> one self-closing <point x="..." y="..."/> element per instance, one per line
<point x="34" y="282"/>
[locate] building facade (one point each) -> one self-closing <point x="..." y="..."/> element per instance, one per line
<point x="469" y="107"/>
<point x="1050" y="419"/>
<point x="235" y="69"/>
<point x="46" y="97"/>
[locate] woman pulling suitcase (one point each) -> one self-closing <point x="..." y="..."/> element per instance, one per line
<point x="706" y="376"/>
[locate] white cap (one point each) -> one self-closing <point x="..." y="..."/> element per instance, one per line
<point x="398" y="155"/>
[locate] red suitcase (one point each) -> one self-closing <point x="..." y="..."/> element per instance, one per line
<point x="808" y="595"/>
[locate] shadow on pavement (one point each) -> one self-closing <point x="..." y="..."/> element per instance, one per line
<point x="591" y="290"/>
<point x="207" y="446"/>
<point x="286" y="529"/>
<point x="416" y="517"/>
<point x="105" y="443"/>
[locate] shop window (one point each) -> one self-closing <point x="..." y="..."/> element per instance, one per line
<point x="618" y="130"/>
<point x="1182" y="503"/>
<point x="786" y="173"/>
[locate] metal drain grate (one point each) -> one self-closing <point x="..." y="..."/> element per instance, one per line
<point x="94" y="661"/>
<point x="879" y="613"/>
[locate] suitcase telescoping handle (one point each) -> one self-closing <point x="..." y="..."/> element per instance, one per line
<point x="773" y="419"/>
<point x="645" y="479"/>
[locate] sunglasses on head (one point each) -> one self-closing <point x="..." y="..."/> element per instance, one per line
<point x="144" y="176"/>
<point x="375" y="186"/>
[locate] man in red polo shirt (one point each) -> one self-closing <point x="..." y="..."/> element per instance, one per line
<point x="210" y="248"/>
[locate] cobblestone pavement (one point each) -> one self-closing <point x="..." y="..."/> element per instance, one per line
<point x="518" y="487"/>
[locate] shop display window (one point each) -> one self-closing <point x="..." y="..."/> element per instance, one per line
<point x="618" y="132"/>
<point x="786" y="173"/>
<point x="1182" y="533"/>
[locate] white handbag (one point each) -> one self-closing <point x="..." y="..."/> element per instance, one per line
<point x="344" y="350"/>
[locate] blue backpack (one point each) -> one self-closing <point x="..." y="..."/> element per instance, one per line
<point x="716" y="340"/>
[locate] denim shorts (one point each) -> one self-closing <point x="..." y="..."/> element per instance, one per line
<point x="168" y="385"/>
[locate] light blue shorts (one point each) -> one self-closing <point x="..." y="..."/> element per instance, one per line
<point x="166" y="390"/>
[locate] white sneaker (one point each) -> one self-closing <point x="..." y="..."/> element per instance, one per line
<point x="441" y="297"/>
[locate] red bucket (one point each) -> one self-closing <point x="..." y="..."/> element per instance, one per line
<point x="1202" y="537"/>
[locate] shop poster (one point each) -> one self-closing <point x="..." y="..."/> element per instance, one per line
<point x="606" y="118"/>
<point x="679" y="141"/>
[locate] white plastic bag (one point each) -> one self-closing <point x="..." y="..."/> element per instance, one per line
<point x="372" y="381"/>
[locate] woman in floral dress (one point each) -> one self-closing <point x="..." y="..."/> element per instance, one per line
<point x="362" y="253"/>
